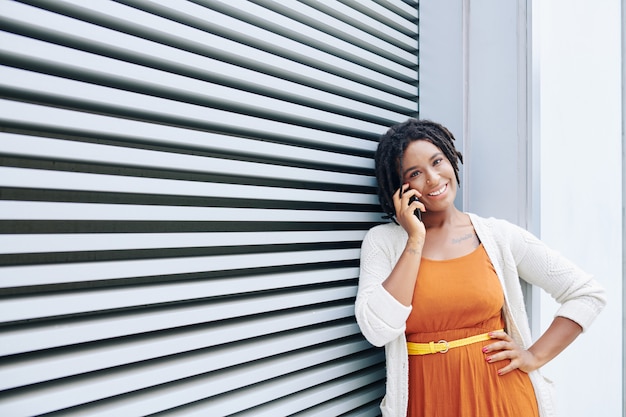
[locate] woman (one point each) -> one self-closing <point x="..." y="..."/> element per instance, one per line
<point x="443" y="294"/>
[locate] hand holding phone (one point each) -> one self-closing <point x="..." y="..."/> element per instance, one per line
<point x="417" y="212"/>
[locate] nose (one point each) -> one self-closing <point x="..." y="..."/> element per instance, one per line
<point x="432" y="177"/>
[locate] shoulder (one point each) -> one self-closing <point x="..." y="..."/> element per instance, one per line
<point x="385" y="237"/>
<point x="384" y="241"/>
<point x="490" y="222"/>
<point x="386" y="232"/>
<point x="504" y="236"/>
<point x="498" y="228"/>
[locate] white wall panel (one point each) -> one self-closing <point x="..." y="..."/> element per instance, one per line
<point x="184" y="186"/>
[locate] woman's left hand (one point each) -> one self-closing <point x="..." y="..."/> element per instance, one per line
<point x="506" y="348"/>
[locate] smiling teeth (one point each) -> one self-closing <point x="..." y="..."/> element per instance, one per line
<point x="439" y="191"/>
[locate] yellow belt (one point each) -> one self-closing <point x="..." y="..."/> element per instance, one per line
<point x="443" y="346"/>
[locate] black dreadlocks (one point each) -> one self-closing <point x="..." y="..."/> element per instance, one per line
<point x="391" y="148"/>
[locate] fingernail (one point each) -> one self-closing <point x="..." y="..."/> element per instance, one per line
<point x="485" y="350"/>
<point x="488" y="358"/>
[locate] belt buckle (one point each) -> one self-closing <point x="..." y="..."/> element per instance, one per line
<point x="447" y="346"/>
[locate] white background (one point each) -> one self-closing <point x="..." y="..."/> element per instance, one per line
<point x="581" y="189"/>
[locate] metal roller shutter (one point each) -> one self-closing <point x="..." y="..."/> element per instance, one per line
<point x="184" y="189"/>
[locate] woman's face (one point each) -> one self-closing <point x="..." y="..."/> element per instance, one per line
<point x="426" y="169"/>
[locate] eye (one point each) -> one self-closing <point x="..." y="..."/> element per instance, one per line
<point x="437" y="161"/>
<point x="414" y="174"/>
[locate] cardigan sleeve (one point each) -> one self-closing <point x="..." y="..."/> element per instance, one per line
<point x="580" y="296"/>
<point x="380" y="316"/>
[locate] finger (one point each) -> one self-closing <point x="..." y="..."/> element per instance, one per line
<point x="511" y="365"/>
<point x="505" y="370"/>
<point x="405" y="194"/>
<point x="397" y="196"/>
<point x="497" y="335"/>
<point x="497" y="346"/>
<point x="500" y="335"/>
<point x="501" y="355"/>
<point x="417" y="204"/>
<point x="414" y="192"/>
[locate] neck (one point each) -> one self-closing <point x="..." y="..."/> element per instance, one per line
<point x="441" y="219"/>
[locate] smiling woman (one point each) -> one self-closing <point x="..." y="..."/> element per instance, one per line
<point x="448" y="283"/>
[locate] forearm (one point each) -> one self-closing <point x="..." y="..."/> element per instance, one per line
<point x="561" y="333"/>
<point x="401" y="282"/>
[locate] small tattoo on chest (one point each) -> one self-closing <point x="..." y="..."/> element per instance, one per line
<point x="457" y="240"/>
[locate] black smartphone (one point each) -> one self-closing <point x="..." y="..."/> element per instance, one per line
<point x="417" y="212"/>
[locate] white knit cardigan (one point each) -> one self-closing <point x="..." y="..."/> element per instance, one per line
<point x="514" y="253"/>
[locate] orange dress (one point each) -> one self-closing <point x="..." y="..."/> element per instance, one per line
<point x="453" y="299"/>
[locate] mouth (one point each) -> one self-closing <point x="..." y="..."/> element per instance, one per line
<point x="439" y="191"/>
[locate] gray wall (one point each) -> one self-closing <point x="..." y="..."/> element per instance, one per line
<point x="184" y="189"/>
